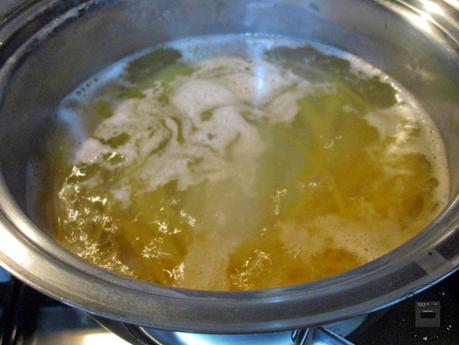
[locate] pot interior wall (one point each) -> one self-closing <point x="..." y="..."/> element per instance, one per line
<point x="65" y="52"/>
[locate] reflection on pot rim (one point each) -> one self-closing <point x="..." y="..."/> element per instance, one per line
<point x="56" y="272"/>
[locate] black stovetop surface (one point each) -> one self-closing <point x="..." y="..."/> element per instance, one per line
<point x="30" y="318"/>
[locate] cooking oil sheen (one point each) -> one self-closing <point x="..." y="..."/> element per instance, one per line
<point x="239" y="162"/>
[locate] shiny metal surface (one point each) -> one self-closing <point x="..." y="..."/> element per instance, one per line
<point x="50" y="47"/>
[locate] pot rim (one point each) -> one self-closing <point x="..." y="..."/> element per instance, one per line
<point x="35" y="258"/>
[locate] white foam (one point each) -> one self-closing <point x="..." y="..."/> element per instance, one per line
<point x="195" y="96"/>
<point x="223" y="143"/>
<point x="368" y="240"/>
<point x="90" y="149"/>
<point x="398" y="122"/>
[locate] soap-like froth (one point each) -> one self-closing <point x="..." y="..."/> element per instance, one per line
<point x="197" y="95"/>
<point x="357" y="238"/>
<point x="414" y="132"/>
<point x="206" y="112"/>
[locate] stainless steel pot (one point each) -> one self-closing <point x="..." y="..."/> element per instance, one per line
<point x="49" y="47"/>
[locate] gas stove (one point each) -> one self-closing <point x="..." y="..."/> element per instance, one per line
<point x="31" y="318"/>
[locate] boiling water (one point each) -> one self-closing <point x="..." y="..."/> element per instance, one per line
<point x="239" y="162"/>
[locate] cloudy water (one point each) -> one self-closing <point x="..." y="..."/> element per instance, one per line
<point x="239" y="162"/>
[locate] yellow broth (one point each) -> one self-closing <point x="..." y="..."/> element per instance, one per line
<point x="233" y="171"/>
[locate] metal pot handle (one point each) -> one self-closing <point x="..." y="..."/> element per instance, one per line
<point x="318" y="335"/>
